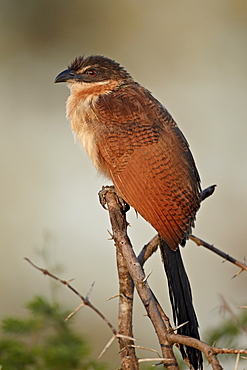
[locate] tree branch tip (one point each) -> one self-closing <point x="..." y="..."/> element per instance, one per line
<point x="75" y="311"/>
<point x="118" y="335"/>
<point x="147" y="276"/>
<point x="44" y="271"/>
<point x="238" y="273"/>
<point x="111" y="235"/>
<point x="114" y="296"/>
<point x="90" y="291"/>
<point x="179" y="326"/>
<point x="146" y="349"/>
<point x="154" y="359"/>
<point x="68" y="281"/>
<point x="225" y="259"/>
<point x="108" y="344"/>
<point x="237" y="361"/>
<point x="233" y="351"/>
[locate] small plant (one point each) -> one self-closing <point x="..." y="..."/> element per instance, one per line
<point x="231" y="332"/>
<point x="43" y="341"/>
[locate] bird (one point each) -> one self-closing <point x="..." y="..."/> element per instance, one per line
<point x="132" y="139"/>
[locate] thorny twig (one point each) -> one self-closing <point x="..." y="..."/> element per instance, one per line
<point x="85" y="302"/>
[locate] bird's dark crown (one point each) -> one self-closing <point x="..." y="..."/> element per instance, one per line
<point x="105" y="67"/>
<point x="94" y="69"/>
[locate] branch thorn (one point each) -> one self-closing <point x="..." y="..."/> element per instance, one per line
<point x="147" y="276"/>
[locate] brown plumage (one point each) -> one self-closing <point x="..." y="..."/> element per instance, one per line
<point x="132" y="139"/>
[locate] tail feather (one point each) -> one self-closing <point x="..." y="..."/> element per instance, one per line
<point x="181" y="301"/>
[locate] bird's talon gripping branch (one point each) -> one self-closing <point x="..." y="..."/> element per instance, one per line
<point x="102" y="194"/>
<point x="105" y="189"/>
<point x="124" y="206"/>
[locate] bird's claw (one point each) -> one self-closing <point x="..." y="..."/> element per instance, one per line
<point x="105" y="189"/>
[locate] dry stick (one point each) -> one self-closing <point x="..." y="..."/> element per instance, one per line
<point x="129" y="360"/>
<point x="143" y="256"/>
<point x="231" y="351"/>
<point x="119" y="227"/>
<point x="85" y="302"/>
<point x="224" y="255"/>
<point x="126" y="289"/>
<point x="152" y="246"/>
<point x="148" y="249"/>
<point x="209" y="351"/>
<point x="126" y="294"/>
<point x="201" y="346"/>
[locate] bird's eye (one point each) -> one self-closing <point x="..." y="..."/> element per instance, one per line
<point x="92" y="72"/>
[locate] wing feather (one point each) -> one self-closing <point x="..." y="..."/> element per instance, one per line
<point x="149" y="161"/>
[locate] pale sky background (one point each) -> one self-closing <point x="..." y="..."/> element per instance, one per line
<point x="192" y="55"/>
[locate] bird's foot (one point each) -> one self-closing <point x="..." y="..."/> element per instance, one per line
<point x="105" y="189"/>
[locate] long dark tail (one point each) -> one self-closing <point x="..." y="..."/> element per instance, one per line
<point x="181" y="301"/>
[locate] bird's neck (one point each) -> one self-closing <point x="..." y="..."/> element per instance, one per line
<point x="81" y="110"/>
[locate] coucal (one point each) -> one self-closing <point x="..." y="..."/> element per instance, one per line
<point x="132" y="139"/>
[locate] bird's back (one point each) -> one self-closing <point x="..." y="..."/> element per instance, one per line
<point x="149" y="160"/>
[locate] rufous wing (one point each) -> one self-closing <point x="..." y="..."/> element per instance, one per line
<point x="149" y="162"/>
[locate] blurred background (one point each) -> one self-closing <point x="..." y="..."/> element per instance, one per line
<point x="192" y="56"/>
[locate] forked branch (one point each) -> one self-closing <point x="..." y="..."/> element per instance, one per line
<point x="119" y="226"/>
<point x="130" y="271"/>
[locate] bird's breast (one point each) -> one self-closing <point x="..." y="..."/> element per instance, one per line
<point x="81" y="111"/>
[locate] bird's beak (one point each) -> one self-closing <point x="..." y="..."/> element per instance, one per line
<point x="66" y="76"/>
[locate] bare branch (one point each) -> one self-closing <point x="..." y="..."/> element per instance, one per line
<point x="85" y="301"/>
<point x="119" y="227"/>
<point x="148" y="250"/>
<point x="232" y="351"/>
<point x="90" y="291"/>
<point x="124" y="340"/>
<point x="209" y="351"/>
<point x="152" y="246"/>
<point x="109" y="343"/>
<point x="125" y="311"/>
<point x="224" y="255"/>
<point x="75" y="311"/>
<point x="166" y="360"/>
<point x="203" y="347"/>
<point x="146" y="349"/>
<point x="237" y="362"/>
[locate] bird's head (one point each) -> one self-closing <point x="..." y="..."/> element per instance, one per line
<point x="94" y="71"/>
